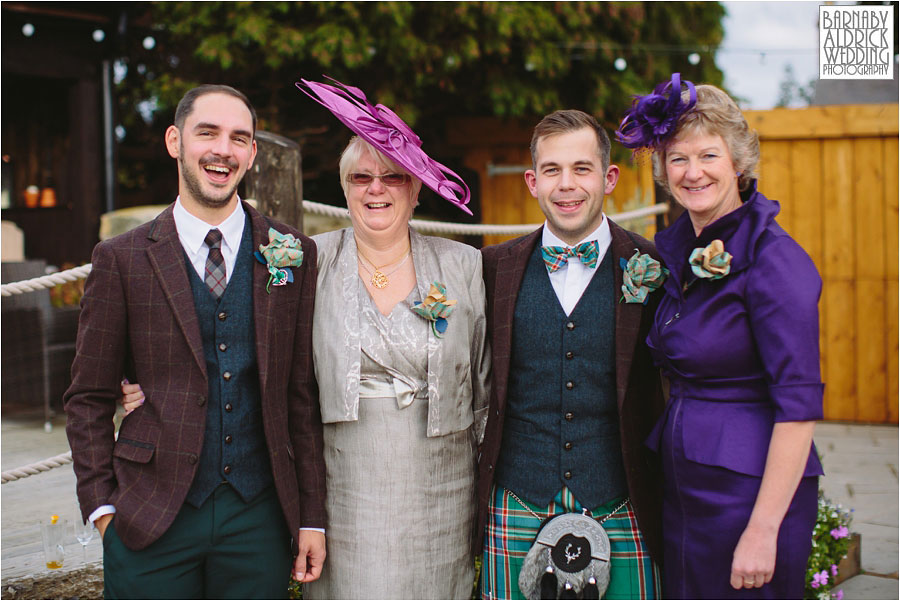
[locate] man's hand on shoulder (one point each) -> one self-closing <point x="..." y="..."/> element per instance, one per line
<point x="309" y="561"/>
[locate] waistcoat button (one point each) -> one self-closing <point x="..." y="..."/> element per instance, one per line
<point x="228" y="439"/>
<point x="227" y="469"/>
<point x="226" y="376"/>
<point x="568" y="475"/>
<point x="570" y="326"/>
<point x="569" y="416"/>
<point x="228" y="407"/>
<point x="570" y="385"/>
<point x="569" y="354"/>
<point x="568" y="446"/>
<point x="222" y="315"/>
<point x="223" y="347"/>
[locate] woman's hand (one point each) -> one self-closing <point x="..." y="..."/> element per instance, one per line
<point x="132" y="396"/>
<point x="754" y="558"/>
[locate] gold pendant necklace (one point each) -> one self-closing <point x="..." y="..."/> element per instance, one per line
<point x="379" y="278"/>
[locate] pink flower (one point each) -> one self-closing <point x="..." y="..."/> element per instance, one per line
<point x="839" y="533"/>
<point x="834" y="570"/>
<point x="819" y="579"/>
<point x="838" y="595"/>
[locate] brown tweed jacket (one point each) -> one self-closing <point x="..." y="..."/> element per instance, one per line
<point x="138" y="318"/>
<point x="638" y="387"/>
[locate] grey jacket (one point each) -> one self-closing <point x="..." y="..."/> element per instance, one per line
<point x="458" y="362"/>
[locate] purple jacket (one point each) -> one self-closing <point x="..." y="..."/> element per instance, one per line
<point x="758" y="328"/>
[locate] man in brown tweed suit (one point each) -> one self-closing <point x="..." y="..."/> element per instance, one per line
<point x="212" y="479"/>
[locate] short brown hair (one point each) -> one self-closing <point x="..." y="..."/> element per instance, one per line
<point x="186" y="104"/>
<point x="561" y="122"/>
<point x="716" y="114"/>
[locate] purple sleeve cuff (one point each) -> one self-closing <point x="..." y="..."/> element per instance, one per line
<point x="797" y="402"/>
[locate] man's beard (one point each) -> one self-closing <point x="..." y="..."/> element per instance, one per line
<point x="195" y="188"/>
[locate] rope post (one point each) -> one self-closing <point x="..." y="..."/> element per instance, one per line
<point x="276" y="180"/>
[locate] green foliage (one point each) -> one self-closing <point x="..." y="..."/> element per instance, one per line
<point x="426" y="60"/>
<point x="484" y="58"/>
<point x="831" y="539"/>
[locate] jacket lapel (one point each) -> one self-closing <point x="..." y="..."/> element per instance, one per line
<point x="262" y="302"/>
<point x="168" y="262"/>
<point x="628" y="315"/>
<point x="509" y="274"/>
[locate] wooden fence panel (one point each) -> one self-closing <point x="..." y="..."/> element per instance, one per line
<point x="806" y="196"/>
<point x="838" y="186"/>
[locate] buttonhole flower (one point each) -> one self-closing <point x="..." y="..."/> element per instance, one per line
<point x="281" y="253"/>
<point x="641" y="275"/>
<point x="435" y="308"/>
<point x="712" y="262"/>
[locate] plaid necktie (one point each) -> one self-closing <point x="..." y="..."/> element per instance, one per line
<point x="215" y="264"/>
<point x="557" y="256"/>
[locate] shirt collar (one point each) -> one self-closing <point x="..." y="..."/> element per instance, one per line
<point x="192" y="230"/>
<point x="602" y="235"/>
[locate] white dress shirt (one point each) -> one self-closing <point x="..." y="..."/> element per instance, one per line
<point x="192" y="233"/>
<point x="572" y="279"/>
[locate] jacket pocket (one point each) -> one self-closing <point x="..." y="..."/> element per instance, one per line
<point x="138" y="447"/>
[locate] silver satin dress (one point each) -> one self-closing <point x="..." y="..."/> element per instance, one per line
<point x="401" y="506"/>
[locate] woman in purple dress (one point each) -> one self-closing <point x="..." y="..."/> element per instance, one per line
<point x="736" y="333"/>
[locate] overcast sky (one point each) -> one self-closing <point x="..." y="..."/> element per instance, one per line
<point x="760" y="39"/>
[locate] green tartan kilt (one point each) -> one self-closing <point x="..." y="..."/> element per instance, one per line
<point x="511" y="529"/>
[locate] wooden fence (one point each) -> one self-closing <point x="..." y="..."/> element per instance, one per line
<point x="834" y="170"/>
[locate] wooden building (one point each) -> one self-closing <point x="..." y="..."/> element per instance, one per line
<point x="56" y="139"/>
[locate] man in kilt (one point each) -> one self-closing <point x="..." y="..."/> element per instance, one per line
<point x="575" y="392"/>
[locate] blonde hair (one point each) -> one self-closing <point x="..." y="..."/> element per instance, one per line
<point x="715" y="114"/>
<point x="355" y="150"/>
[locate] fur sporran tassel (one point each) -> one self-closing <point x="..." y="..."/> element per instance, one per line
<point x="568" y="592"/>
<point x="548" y="584"/>
<point x="590" y="589"/>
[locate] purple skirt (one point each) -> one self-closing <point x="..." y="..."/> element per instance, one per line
<point x="705" y="511"/>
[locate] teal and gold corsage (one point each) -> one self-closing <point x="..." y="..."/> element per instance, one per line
<point x="435" y="308"/>
<point x="281" y="253"/>
<point x="642" y="274"/>
<point x="712" y="262"/>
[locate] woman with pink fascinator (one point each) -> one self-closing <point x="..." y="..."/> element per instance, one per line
<point x="402" y="364"/>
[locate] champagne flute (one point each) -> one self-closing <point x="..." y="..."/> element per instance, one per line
<point x="84" y="532"/>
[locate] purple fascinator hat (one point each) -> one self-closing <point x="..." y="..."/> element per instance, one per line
<point x="652" y="119"/>
<point x="387" y="133"/>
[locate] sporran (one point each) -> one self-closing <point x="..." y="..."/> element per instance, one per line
<point x="569" y="558"/>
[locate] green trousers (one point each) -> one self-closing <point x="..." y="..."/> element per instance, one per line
<point x="225" y="549"/>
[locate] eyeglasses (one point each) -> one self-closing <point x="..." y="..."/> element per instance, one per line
<point x="388" y="179"/>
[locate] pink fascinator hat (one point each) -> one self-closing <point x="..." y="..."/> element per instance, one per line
<point x="387" y="133"/>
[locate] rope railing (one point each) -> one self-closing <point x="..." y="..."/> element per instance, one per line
<point x="478" y="229"/>
<point x="438" y="227"/>
<point x="45" y="281"/>
<point x="32" y="469"/>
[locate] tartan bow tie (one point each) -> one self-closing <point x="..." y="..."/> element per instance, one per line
<point x="557" y="256"/>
